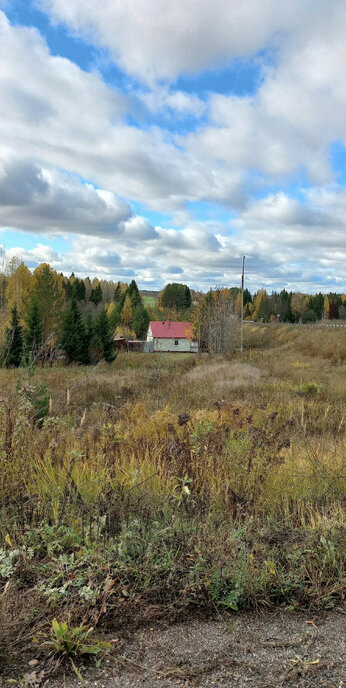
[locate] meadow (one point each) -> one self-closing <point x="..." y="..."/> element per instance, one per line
<point x="149" y="301"/>
<point x="169" y="484"/>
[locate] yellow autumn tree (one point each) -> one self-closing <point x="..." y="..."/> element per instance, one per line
<point x="237" y="304"/>
<point x="110" y="308"/>
<point x="260" y="305"/>
<point x="18" y="290"/>
<point x="126" y="316"/>
<point x="248" y="311"/>
<point x="326" y="307"/>
<point x="47" y="287"/>
<point x="299" y="305"/>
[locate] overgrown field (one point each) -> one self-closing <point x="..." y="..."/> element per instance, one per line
<point x="165" y="483"/>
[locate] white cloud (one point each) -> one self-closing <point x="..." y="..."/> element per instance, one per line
<point x="60" y="125"/>
<point x="63" y="117"/>
<point x="176" y="103"/>
<point x="44" y="200"/>
<point x="155" y="41"/>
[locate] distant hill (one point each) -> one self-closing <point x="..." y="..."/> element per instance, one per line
<point x="149" y="297"/>
<point x="147" y="292"/>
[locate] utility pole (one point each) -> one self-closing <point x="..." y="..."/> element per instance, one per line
<point x="242" y="308"/>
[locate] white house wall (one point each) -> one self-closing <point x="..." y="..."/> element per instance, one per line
<point x="166" y="344"/>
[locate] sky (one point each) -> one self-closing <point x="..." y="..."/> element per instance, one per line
<point x="162" y="141"/>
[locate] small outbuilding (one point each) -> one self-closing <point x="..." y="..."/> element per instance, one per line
<point x="137" y="346"/>
<point x="169" y="335"/>
<point x="120" y="342"/>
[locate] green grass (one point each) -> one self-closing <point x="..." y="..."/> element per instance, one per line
<point x="149" y="301"/>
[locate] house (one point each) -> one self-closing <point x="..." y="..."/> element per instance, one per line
<point x="167" y="335"/>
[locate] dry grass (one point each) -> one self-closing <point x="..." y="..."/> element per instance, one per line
<point x="180" y="480"/>
<point x="224" y="376"/>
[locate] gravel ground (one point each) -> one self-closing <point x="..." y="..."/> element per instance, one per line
<point x="252" y="650"/>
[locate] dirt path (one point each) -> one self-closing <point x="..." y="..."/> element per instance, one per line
<point x="252" y="650"/>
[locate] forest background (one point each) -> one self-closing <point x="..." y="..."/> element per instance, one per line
<point x="45" y="315"/>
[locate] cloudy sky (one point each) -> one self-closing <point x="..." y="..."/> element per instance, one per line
<point x="164" y="140"/>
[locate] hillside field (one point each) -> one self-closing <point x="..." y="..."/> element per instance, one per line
<point x="149" y="301"/>
<point x="165" y="486"/>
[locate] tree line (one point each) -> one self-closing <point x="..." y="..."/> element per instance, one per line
<point x="293" y="307"/>
<point x="44" y="316"/>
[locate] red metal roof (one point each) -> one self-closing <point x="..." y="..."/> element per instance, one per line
<point x="165" y="329"/>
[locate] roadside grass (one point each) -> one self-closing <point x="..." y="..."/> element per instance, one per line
<point x="165" y="483"/>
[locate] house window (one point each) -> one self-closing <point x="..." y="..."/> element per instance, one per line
<point x="176" y="342"/>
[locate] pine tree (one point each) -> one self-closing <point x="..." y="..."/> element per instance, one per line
<point x="14" y="342"/>
<point x="187" y="297"/>
<point x="104" y="332"/>
<point x="96" y="295"/>
<point x="117" y="293"/>
<point x="247" y="298"/>
<point x="89" y="326"/>
<point x="95" y="349"/>
<point x="115" y="316"/>
<point x="80" y="290"/>
<point x="140" y="322"/>
<point x="316" y="303"/>
<point x="33" y="334"/>
<point x="73" y="335"/>
<point x="134" y="294"/>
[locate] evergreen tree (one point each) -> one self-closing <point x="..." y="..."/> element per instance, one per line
<point x="89" y="327"/>
<point x="310" y="316"/>
<point x="73" y="335"/>
<point x="33" y="333"/>
<point x="187" y="297"/>
<point x="140" y="322"/>
<point x="117" y="294"/>
<point x="95" y="349"/>
<point x="134" y="294"/>
<point x="316" y="303"/>
<point x="96" y="295"/>
<point x="176" y="296"/>
<point x="247" y="298"/>
<point x="104" y="332"/>
<point x="79" y="290"/>
<point x="89" y="330"/>
<point x="286" y="298"/>
<point x="115" y="316"/>
<point x="14" y="342"/>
